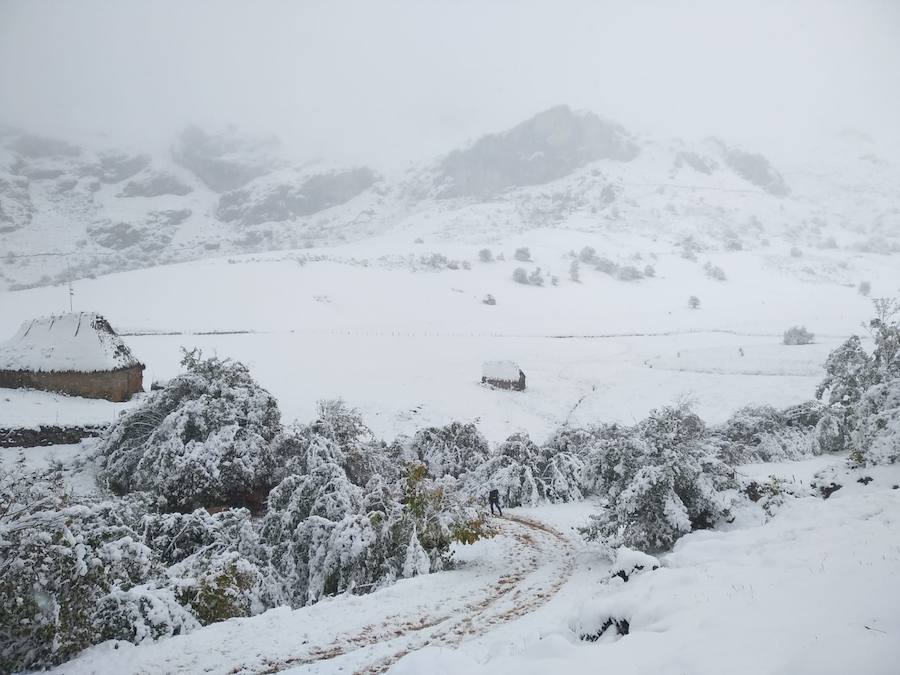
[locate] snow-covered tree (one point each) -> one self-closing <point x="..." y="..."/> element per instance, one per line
<point x="765" y="434"/>
<point x="660" y="481"/>
<point x="526" y="475"/>
<point x="877" y="437"/>
<point x="863" y="391"/>
<point x="629" y="273"/>
<point x="520" y="276"/>
<point x="450" y="450"/>
<point x="849" y="371"/>
<point x="535" y="278"/>
<point x="59" y="559"/>
<point x="522" y="254"/>
<point x="714" y="271"/>
<point x="575" y="271"/>
<point x="204" y="439"/>
<point x="798" y="335"/>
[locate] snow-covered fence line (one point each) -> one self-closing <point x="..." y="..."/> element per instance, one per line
<point x="404" y="332"/>
<point x="141" y="332"/>
<point x="30" y="437"/>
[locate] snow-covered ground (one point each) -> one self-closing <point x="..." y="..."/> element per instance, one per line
<point x="407" y="347"/>
<point x="813" y="590"/>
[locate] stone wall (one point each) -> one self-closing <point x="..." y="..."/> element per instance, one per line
<point x="46" y="435"/>
<point x="113" y="385"/>
<point x="512" y="385"/>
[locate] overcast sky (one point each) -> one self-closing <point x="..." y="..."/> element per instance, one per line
<point x="386" y="82"/>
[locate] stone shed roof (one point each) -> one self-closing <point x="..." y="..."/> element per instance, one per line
<point x="507" y="371"/>
<point x="76" y="342"/>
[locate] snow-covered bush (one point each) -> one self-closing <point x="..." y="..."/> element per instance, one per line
<point x="877" y="437"/>
<point x="178" y="536"/>
<point x="864" y="288"/>
<point x="141" y="614"/>
<point x="885" y="329"/>
<point x="849" y="371"/>
<point x="326" y="535"/>
<point x="489" y="300"/>
<point x="436" y="261"/>
<point x="649" y="271"/>
<point x="522" y="254"/>
<point x="218" y="586"/>
<point x="606" y="266"/>
<point x="660" y="481"/>
<point x="59" y="559"/>
<point x="300" y="530"/>
<point x="536" y="278"/>
<point x="216" y="566"/>
<point x="863" y="391"/>
<point x="514" y="481"/>
<point x="575" y="271"/>
<point x="765" y="434"/>
<point x="694" y="302"/>
<point x="714" y="271"/>
<point x="629" y="273"/>
<point x="450" y="450"/>
<point x="520" y="276"/>
<point x="768" y="494"/>
<point x="485" y="255"/>
<point x="798" y="335"/>
<point x="526" y="475"/>
<point x="340" y="423"/>
<point x="587" y="255"/>
<point x="203" y="439"/>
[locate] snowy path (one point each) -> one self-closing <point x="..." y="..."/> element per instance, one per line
<point x="498" y="581"/>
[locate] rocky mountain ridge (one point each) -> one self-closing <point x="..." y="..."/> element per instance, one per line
<point x="69" y="211"/>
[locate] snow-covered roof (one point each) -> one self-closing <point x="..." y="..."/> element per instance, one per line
<point x="80" y="342"/>
<point x="500" y="370"/>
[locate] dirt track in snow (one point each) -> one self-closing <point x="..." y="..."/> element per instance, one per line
<point x="537" y="565"/>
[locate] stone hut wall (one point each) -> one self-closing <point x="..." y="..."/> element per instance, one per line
<point x="113" y="385"/>
<point x="512" y="385"/>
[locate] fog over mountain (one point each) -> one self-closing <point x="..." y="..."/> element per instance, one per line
<point x="387" y="83"/>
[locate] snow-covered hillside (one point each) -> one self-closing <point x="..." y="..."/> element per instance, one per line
<point x="110" y="209"/>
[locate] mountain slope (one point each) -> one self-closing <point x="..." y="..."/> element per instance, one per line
<point x="109" y="209"/>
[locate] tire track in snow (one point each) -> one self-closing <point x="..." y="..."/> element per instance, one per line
<point x="540" y="563"/>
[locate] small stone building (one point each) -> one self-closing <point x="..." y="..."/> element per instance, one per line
<point x="77" y="354"/>
<point x="503" y="375"/>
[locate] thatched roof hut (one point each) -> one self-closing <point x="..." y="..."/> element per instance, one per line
<point x="77" y="353"/>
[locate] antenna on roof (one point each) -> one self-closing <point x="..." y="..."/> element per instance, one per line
<point x="69" y="275"/>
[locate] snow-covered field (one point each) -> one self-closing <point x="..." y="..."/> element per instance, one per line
<point x="406" y="347"/>
<point x="813" y="590"/>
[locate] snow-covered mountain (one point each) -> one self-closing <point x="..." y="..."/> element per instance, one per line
<point x="109" y="209"/>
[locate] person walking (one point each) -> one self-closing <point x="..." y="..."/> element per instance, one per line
<point x="494" y="500"/>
